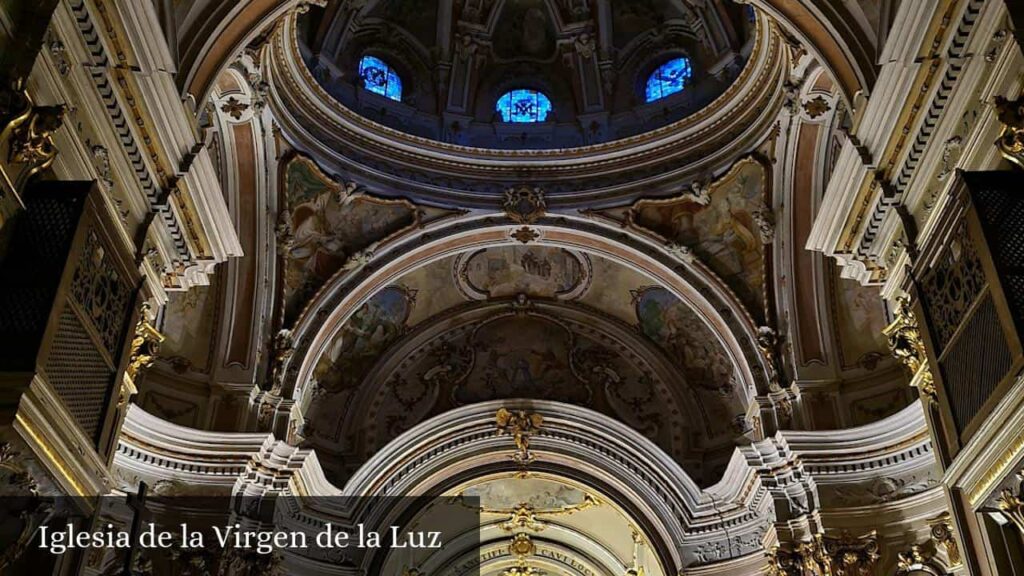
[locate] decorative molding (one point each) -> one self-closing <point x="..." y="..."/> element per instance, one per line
<point x="346" y="142"/>
<point x="943" y="537"/>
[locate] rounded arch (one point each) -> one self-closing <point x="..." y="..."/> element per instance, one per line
<point x="692" y="283"/>
<point x="580" y="446"/>
<point x="668" y="77"/>
<point x="508" y="348"/>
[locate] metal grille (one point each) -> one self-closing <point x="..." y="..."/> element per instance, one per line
<point x="1002" y="215"/>
<point x="975" y="364"/>
<point x="949" y="289"/>
<point x="31" y="272"/>
<point x="78" y="373"/>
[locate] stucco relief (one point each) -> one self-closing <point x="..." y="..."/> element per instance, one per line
<point x="525" y="356"/>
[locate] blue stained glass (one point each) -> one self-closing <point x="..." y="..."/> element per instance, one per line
<point x="380" y="78"/>
<point x="524" y="105"/>
<point x="669" y="78"/>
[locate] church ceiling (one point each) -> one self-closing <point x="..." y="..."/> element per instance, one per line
<point x="526" y="322"/>
<point x="395" y="145"/>
<point x="619" y="250"/>
<point x="548" y="523"/>
<point x="728" y="225"/>
<point x="327" y="226"/>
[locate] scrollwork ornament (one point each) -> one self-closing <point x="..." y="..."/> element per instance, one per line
<point x="145" y="345"/>
<point x="31" y="139"/>
<point x="520" y="425"/>
<point x="1011" y="141"/>
<point x="524" y="204"/>
<point x="1011" y="504"/>
<point x="942" y="535"/>
<point x="852" y="556"/>
<point x="918" y="560"/>
<point x="907" y="346"/>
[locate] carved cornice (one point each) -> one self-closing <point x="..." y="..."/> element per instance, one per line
<point x="133" y="133"/>
<point x="152" y="449"/>
<point x="894" y="153"/>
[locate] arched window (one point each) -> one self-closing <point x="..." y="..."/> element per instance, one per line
<point x="380" y="78"/>
<point x="524" y="105"/>
<point x="669" y="78"/>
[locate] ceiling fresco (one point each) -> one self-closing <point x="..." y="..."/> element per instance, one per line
<point x="525" y="322"/>
<point x="538" y="272"/>
<point x="727" y="224"/>
<point x="327" y="226"/>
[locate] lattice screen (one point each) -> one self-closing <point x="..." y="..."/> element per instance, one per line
<point x="79" y="374"/>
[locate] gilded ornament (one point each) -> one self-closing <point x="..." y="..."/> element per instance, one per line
<point x="521" y="545"/>
<point x="919" y="560"/>
<point x="826" y="556"/>
<point x="145" y="345"/>
<point x="910" y="560"/>
<point x="816" y="107"/>
<point x="852" y="556"/>
<point x="522" y="570"/>
<point x="523" y="517"/>
<point x="31" y="139"/>
<point x="520" y="425"/>
<point x="1009" y="501"/>
<point x="906" y="344"/>
<point x="942" y="535"/>
<point x="1011" y="141"/>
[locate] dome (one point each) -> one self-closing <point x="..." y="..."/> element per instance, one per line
<point x="592" y="78"/>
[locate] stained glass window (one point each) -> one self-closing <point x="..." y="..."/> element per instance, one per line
<point x="380" y="78"/>
<point x="669" y="78"/>
<point x="524" y="106"/>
